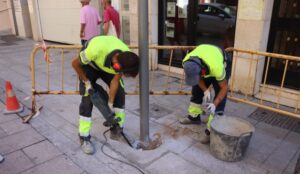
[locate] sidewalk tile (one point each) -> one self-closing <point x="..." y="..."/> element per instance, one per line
<point x="41" y="152"/>
<point x="171" y="163"/>
<point x="19" y="140"/>
<point x="201" y="156"/>
<point x="2" y="133"/>
<point x="59" y="165"/>
<point x="292" y="164"/>
<point x="122" y="168"/>
<point x="16" y="162"/>
<point x="279" y="159"/>
<point x="14" y="126"/>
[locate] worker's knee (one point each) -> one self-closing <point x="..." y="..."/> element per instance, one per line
<point x="85" y="107"/>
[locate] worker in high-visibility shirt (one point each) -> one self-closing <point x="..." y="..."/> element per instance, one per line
<point x="107" y="58"/>
<point x="204" y="66"/>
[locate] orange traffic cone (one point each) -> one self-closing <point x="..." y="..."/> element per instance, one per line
<point x="12" y="104"/>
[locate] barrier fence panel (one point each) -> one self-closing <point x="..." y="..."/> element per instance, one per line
<point x="253" y="88"/>
<point x="250" y="88"/>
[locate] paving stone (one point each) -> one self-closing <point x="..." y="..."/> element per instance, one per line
<point x="122" y="168"/>
<point x="284" y="153"/>
<point x="72" y="150"/>
<point x="200" y="155"/>
<point x="290" y="169"/>
<point x="6" y="118"/>
<point x="19" y="140"/>
<point x="11" y="75"/>
<point x="58" y="105"/>
<point x="70" y="131"/>
<point x="14" y="126"/>
<point x="54" y="135"/>
<point x="90" y="163"/>
<point x="2" y="133"/>
<point x="171" y="163"/>
<point x="238" y="109"/>
<point x="52" y="118"/>
<point x="59" y="165"/>
<point x="264" y="142"/>
<point x="176" y="139"/>
<point x="166" y="120"/>
<point x="41" y="152"/>
<point x="15" y="162"/>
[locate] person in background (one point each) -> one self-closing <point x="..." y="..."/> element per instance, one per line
<point x="111" y="18"/>
<point x="89" y="21"/>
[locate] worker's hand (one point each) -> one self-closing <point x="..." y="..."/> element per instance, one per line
<point x="211" y="108"/>
<point x="110" y="105"/>
<point x="88" y="88"/>
<point x="206" y="97"/>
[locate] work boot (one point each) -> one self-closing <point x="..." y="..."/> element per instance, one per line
<point x="115" y="132"/>
<point x="111" y="121"/>
<point x="86" y="145"/>
<point x="190" y="120"/>
<point x="205" y="138"/>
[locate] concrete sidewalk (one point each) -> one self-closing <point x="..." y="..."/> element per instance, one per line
<point x="49" y="144"/>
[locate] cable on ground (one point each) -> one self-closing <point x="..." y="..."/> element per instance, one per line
<point x="124" y="162"/>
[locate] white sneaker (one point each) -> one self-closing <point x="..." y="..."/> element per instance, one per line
<point x="87" y="147"/>
<point x="1" y="158"/>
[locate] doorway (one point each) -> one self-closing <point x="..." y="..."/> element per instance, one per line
<point x="284" y="38"/>
<point x="194" y="22"/>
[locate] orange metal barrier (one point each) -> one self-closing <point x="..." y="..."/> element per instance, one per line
<point x="249" y="90"/>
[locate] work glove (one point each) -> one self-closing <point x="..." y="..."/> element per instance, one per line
<point x="211" y="108"/>
<point x="206" y="97"/>
<point x="88" y="88"/>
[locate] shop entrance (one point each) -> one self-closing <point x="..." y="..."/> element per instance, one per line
<point x="194" y="22"/>
<point x="284" y="38"/>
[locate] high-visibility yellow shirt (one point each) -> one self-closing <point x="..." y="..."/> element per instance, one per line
<point x="100" y="49"/>
<point x="212" y="56"/>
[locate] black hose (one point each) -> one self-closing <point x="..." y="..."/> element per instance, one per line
<point x="124" y="162"/>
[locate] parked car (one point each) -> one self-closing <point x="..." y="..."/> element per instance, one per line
<point x="215" y="18"/>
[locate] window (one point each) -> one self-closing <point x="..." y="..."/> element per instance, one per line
<point x="126" y="29"/>
<point x="125" y="5"/>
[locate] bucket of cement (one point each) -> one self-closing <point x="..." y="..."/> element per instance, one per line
<point x="229" y="138"/>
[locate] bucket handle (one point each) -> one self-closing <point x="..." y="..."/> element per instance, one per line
<point x="239" y="141"/>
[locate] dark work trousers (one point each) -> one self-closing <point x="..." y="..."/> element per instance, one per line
<point x="86" y="106"/>
<point x="197" y="93"/>
<point x="83" y="42"/>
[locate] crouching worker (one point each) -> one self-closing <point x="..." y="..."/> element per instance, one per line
<point x="204" y="66"/>
<point x="107" y="58"/>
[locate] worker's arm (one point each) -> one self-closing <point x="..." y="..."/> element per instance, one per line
<point x="202" y="85"/>
<point x="223" y="91"/>
<point x="82" y="29"/>
<point x="105" y="28"/>
<point x="113" y="88"/>
<point x="77" y="67"/>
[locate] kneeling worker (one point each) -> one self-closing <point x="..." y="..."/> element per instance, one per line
<point x="107" y="58"/>
<point x="204" y="66"/>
